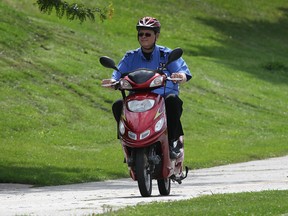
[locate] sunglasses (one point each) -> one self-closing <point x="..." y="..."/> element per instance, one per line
<point x="141" y="34"/>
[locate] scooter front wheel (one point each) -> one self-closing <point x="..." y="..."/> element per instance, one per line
<point x="143" y="173"/>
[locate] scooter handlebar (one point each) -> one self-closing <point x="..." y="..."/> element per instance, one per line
<point x="108" y="83"/>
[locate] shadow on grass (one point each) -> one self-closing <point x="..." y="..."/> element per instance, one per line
<point x="51" y="175"/>
<point x="258" y="47"/>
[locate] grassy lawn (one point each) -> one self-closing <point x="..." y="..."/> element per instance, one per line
<point x="56" y="124"/>
<point x="260" y="203"/>
<point x="55" y="119"/>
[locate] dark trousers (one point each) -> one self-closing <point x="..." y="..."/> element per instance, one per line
<point x="174" y="110"/>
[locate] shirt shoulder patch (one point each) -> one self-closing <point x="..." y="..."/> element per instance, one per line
<point x="164" y="51"/>
<point x="130" y="52"/>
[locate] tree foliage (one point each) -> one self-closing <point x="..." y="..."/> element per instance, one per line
<point x="74" y="11"/>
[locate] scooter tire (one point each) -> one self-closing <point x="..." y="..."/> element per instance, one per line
<point x="143" y="175"/>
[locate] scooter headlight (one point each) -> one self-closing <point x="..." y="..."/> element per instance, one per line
<point x="121" y="128"/>
<point x="124" y="84"/>
<point x="140" y="105"/>
<point x="159" y="124"/>
<point x="158" y="81"/>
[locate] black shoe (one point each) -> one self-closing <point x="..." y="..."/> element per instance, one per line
<point x="175" y="149"/>
<point x="178" y="146"/>
<point x="174" y="154"/>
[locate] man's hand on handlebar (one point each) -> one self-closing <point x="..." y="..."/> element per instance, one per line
<point x="179" y="77"/>
<point x="108" y="83"/>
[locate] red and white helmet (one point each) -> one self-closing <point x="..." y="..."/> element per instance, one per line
<point x="149" y="23"/>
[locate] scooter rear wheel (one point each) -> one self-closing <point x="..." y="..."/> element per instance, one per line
<point x="164" y="186"/>
<point x="143" y="173"/>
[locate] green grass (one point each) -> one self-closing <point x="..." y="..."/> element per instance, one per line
<point x="260" y="203"/>
<point x="55" y="119"/>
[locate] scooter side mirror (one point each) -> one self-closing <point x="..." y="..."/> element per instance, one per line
<point x="108" y="62"/>
<point x="174" y="55"/>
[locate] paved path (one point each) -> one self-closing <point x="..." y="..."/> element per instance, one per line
<point x="98" y="197"/>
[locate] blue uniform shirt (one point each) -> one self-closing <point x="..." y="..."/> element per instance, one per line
<point x="135" y="59"/>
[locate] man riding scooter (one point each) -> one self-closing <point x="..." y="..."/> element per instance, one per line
<point x="152" y="56"/>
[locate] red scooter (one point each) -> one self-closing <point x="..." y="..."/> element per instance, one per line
<point x="143" y="128"/>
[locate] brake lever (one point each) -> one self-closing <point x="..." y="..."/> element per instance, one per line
<point x="113" y="84"/>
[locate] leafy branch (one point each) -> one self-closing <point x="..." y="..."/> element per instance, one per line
<point x="74" y="11"/>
